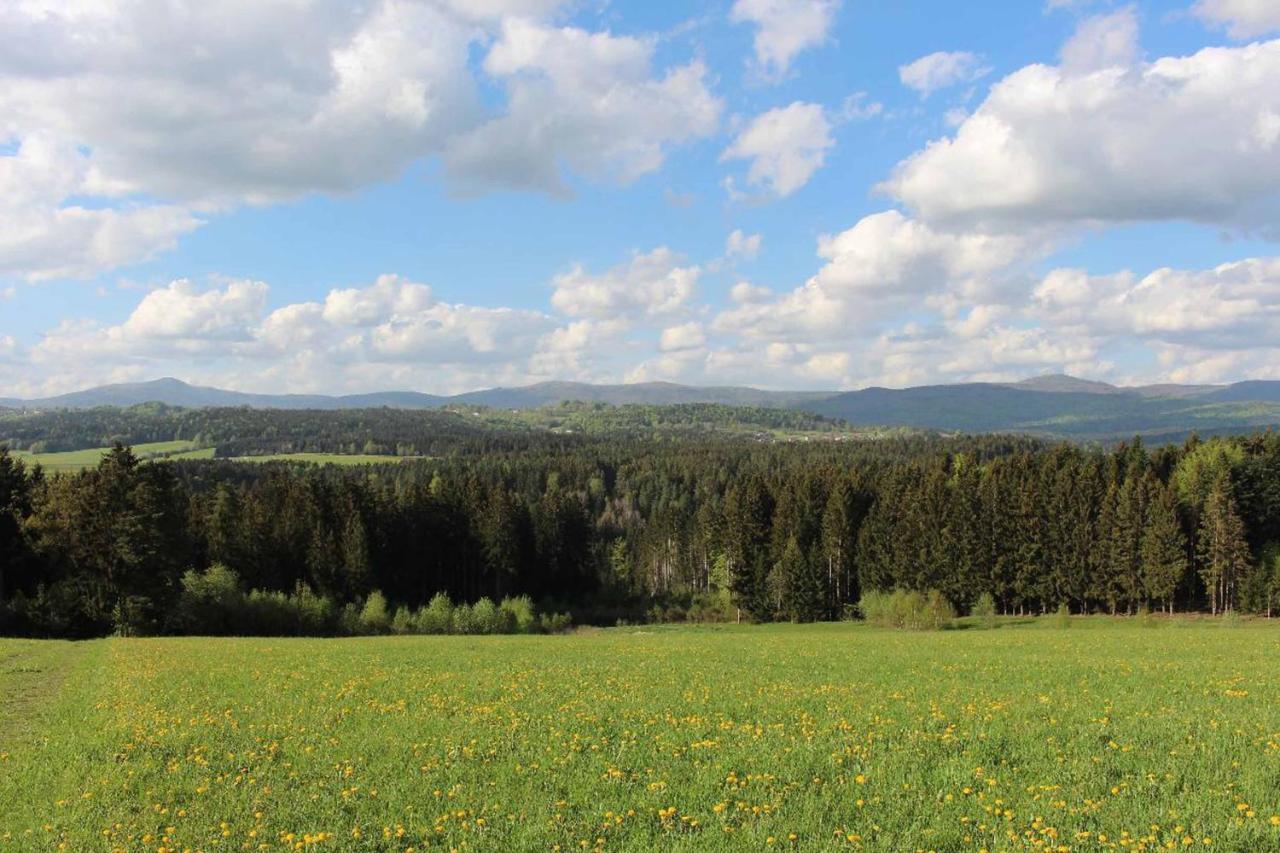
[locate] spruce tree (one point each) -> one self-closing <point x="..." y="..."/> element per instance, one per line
<point x="1164" y="546"/>
<point x="1221" y="548"/>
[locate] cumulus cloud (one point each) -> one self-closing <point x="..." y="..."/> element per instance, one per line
<point x="1232" y="306"/>
<point x="586" y="100"/>
<point x="266" y="102"/>
<point x="1242" y="19"/>
<point x="354" y="338"/>
<point x="785" y="146"/>
<point x="45" y="233"/>
<point x="683" y="337"/>
<point x="784" y="28"/>
<point x="884" y="263"/>
<point x="651" y="284"/>
<point x="1103" y="41"/>
<point x="1194" y="138"/>
<point x="742" y="246"/>
<point x="942" y="70"/>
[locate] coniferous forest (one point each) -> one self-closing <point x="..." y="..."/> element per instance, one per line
<point x="610" y="526"/>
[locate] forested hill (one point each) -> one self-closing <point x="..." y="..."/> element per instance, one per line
<point x="1051" y="406"/>
<point x="457" y="430"/>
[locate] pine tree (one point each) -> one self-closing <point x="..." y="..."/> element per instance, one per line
<point x="749" y="513"/>
<point x="804" y="584"/>
<point x="840" y="522"/>
<point x="1125" y="543"/>
<point x="1164" y="546"/>
<point x="1221" y="548"/>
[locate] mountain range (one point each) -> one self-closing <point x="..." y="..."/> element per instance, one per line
<point x="1056" y="405"/>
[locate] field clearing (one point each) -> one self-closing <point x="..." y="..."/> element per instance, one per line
<point x="78" y="460"/>
<point x="800" y="737"/>
<point x="328" y="458"/>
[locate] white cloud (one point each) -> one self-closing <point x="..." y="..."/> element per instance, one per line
<point x="1103" y="41"/>
<point x="883" y="264"/>
<point x="742" y="246"/>
<point x="1232" y="306"/>
<point x="744" y="292"/>
<point x="44" y="233"/>
<point x="585" y="100"/>
<point x="1242" y="19"/>
<point x="388" y="332"/>
<point x="244" y="102"/>
<point x="1193" y="138"/>
<point x="785" y="145"/>
<point x="683" y="337"/>
<point x="942" y="70"/>
<point x="651" y="284"/>
<point x="387" y="298"/>
<point x="784" y="29"/>
<point x="182" y="310"/>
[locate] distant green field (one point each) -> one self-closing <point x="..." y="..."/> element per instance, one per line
<point x="1108" y="735"/>
<point x="327" y="458"/>
<point x="78" y="460"/>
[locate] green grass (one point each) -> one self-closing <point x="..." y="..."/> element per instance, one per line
<point x="660" y="738"/>
<point x="78" y="460"/>
<point x="327" y="458"/>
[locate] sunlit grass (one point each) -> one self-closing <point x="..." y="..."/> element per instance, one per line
<point x="656" y="738"/>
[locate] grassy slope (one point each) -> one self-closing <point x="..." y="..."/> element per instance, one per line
<point x="77" y="460"/>
<point x="947" y="741"/>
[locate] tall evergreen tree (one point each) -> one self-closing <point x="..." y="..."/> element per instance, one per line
<point x="1164" y="546"/>
<point x="1221" y="548"/>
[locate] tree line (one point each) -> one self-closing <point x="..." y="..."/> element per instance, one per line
<point x="624" y="529"/>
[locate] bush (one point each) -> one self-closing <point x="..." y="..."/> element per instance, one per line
<point x="462" y="621"/>
<point x="210" y="603"/>
<point x="938" y="613"/>
<point x="402" y="622"/>
<point x="486" y="618"/>
<point x="554" y="623"/>
<point x="984" y="610"/>
<point x="436" y="617"/>
<point x="907" y="609"/>
<point x="374" y="618"/>
<point x="1230" y="619"/>
<point x="520" y="614"/>
<point x="1062" y="617"/>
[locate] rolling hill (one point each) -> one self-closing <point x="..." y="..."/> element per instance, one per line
<point x="1057" y="406"/>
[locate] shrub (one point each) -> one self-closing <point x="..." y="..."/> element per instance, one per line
<point x="937" y="613"/>
<point x="1230" y="619"/>
<point x="984" y="610"/>
<point x="520" y="614"/>
<point x="349" y="620"/>
<point x="486" y="618"/>
<point x="1062" y="617"/>
<point x="907" y="609"/>
<point x="462" y="621"/>
<point x="436" y="617"/>
<point x="210" y="603"/>
<point x="554" y="623"/>
<point x="874" y="606"/>
<point x="402" y="622"/>
<point x="374" y="618"/>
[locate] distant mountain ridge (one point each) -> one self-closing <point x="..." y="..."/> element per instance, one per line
<point x="175" y="392"/>
<point x="1053" y="405"/>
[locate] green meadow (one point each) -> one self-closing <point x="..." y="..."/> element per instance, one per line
<point x="1106" y="735"/>
<point x="78" y="460"/>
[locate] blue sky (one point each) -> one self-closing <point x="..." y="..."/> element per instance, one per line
<point x="444" y="195"/>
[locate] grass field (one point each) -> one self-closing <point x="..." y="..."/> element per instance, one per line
<point x="1098" y="737"/>
<point x="78" y="460"/>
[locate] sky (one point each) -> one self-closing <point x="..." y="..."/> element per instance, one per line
<point x="446" y="195"/>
